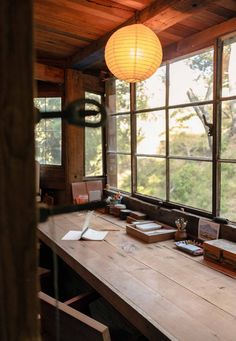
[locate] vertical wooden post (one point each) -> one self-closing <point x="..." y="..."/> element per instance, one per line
<point x="18" y="255"/>
<point x="74" y="136"/>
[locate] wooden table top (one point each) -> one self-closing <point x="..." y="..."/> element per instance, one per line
<point x="165" y="293"/>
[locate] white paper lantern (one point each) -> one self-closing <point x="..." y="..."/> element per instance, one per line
<point x="133" y="53"/>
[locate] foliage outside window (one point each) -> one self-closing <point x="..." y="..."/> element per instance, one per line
<point x="174" y="158"/>
<point x="93" y="143"/>
<point x="48" y="132"/>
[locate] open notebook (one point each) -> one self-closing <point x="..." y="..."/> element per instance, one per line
<point x="86" y="233"/>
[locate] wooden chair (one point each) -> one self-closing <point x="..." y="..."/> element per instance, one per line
<point x="72" y="324"/>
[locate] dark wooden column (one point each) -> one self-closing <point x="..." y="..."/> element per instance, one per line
<point x="74" y="136"/>
<point x="18" y="255"/>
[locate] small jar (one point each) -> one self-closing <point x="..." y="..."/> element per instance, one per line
<point x="180" y="235"/>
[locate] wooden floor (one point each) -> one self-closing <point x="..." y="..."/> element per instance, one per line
<point x="166" y="294"/>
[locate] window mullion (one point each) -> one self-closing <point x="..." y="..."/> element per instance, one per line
<point x="167" y="133"/>
<point x="216" y="127"/>
<point x="133" y="138"/>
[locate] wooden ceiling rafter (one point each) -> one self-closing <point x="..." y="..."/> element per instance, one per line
<point x="98" y="9"/>
<point x="199" y="40"/>
<point x="76" y="31"/>
<point x="164" y="13"/>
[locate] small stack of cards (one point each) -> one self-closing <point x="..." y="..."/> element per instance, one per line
<point x="189" y="247"/>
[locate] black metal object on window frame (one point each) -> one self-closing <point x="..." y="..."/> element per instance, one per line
<point x="76" y="114"/>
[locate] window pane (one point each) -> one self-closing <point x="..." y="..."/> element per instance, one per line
<point x="151" y="92"/>
<point x="122" y="96"/>
<point x="52" y="135"/>
<point x="48" y="133"/>
<point x="228" y="191"/>
<point x="151" y="133"/>
<point x="93" y="141"/>
<point x="191" y="183"/>
<point x="40" y="103"/>
<point x="93" y="152"/>
<point x="119" y="171"/>
<point x="97" y="98"/>
<point x="228" y="130"/>
<point x="151" y="174"/>
<point x="191" y="79"/>
<point x="229" y="68"/>
<point x="53" y="104"/>
<point x="119" y="133"/>
<point x="188" y="134"/>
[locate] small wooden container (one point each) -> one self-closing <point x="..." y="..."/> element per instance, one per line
<point x="138" y="215"/>
<point x="180" y="235"/>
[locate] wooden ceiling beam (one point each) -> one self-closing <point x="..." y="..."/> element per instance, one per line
<point x="199" y="40"/>
<point x="48" y="73"/>
<point x="164" y="13"/>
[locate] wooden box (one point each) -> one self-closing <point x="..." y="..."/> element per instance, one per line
<point x="164" y="233"/>
<point x="221" y="251"/>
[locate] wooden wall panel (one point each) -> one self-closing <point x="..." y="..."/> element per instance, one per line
<point x="74" y="136"/>
<point x="47" y="73"/>
<point x="18" y="259"/>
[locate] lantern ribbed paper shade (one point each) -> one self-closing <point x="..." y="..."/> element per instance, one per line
<point x="133" y="53"/>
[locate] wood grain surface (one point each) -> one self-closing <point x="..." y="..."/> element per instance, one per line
<point x="166" y="294"/>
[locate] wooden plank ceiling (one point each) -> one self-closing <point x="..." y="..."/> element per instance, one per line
<point x="73" y="33"/>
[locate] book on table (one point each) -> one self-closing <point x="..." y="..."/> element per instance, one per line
<point x="86" y="233"/>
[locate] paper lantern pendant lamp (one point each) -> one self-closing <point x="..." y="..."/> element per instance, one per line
<point x="133" y="53"/>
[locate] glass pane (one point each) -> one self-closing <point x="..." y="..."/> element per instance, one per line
<point x="53" y="104"/>
<point x="228" y="130"/>
<point x="229" y="68"/>
<point x="90" y="95"/>
<point x="40" y="103"/>
<point x="119" y="133"/>
<point x="97" y="98"/>
<point x="151" y="92"/>
<point x="191" y="183"/>
<point x="119" y="171"/>
<point x="191" y="79"/>
<point x="151" y="177"/>
<point x="48" y="134"/>
<point x="228" y="191"/>
<point x="93" y="151"/>
<point x="53" y="147"/>
<point x="93" y="141"/>
<point x="188" y="134"/>
<point x="122" y="96"/>
<point x="151" y="133"/>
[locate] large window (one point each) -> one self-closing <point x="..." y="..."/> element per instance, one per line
<point x="48" y="132"/>
<point x="177" y="132"/>
<point x="93" y="143"/>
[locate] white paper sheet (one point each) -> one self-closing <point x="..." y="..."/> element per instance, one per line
<point x="72" y="235"/>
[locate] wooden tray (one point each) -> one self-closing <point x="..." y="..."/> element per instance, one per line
<point x="157" y="237"/>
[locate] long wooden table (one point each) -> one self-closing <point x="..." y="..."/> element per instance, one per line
<point x="166" y="294"/>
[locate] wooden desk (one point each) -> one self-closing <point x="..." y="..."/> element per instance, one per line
<point x="166" y="294"/>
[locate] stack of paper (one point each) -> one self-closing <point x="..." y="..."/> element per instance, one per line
<point x="150" y="226"/>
